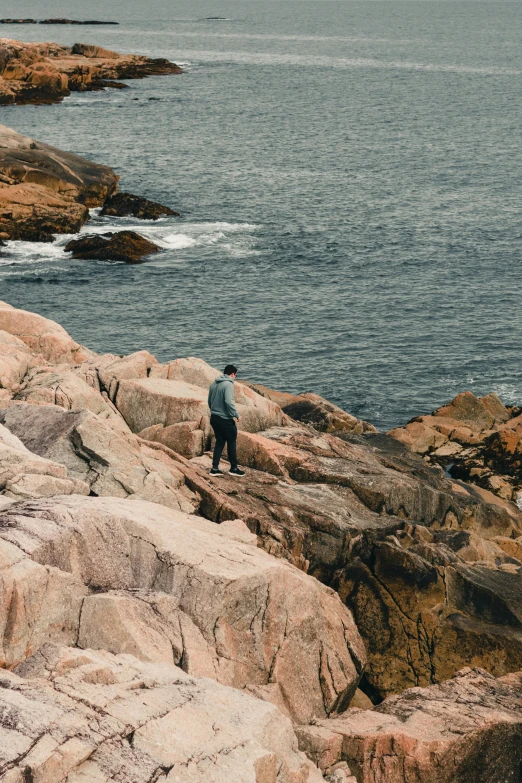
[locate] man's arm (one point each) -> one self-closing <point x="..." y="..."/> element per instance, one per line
<point x="229" y="401"/>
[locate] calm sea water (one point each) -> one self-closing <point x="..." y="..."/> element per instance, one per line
<point x="348" y="175"/>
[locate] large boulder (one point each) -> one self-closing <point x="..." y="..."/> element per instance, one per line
<point x="466" y="730"/>
<point x="41" y="335"/>
<point x="258" y="615"/>
<point x="152" y="401"/>
<point x="75" y="716"/>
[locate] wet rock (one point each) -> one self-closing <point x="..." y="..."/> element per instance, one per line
<point x="82" y="715"/>
<point x="127" y="246"/>
<point x="125" y="204"/>
<point x="466" y="730"/>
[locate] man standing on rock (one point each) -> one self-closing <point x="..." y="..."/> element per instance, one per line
<point x="223" y="417"/>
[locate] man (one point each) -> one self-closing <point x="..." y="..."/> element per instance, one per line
<point x="223" y="417"/>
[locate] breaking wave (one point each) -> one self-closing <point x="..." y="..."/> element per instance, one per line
<point x="234" y="239"/>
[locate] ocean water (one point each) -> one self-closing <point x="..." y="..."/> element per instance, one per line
<point x="348" y="175"/>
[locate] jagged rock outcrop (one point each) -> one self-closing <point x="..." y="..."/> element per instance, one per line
<point x="479" y="438"/>
<point x="69" y="715"/>
<point x="47" y="72"/>
<point x="23" y="474"/>
<point x="100" y="453"/>
<point x="127" y="246"/>
<point x="257" y="614"/>
<point x="466" y="730"/>
<point x="44" y="191"/>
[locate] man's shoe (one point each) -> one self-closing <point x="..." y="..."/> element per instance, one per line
<point x="216" y="472"/>
<point x="236" y="472"/>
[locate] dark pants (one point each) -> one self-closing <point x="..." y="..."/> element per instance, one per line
<point x="225" y="431"/>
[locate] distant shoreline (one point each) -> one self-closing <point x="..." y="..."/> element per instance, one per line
<point x="55" y="21"/>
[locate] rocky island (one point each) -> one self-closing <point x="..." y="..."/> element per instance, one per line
<point x="349" y="611"/>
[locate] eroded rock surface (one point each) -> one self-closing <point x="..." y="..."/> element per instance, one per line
<point x="257" y="614"/>
<point x="466" y="730"/>
<point x="75" y="716"/>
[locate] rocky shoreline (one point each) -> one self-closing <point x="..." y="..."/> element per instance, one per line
<point x="478" y="439"/>
<point x="48" y="72"/>
<point x="59" y="20"/>
<point x="43" y="190"/>
<point x="346" y="612"/>
<point x="356" y="612"/>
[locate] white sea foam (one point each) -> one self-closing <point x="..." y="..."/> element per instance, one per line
<point x="176" y="241"/>
<point x="234" y="239"/>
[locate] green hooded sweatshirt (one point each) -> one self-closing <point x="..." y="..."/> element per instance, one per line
<point x="221" y="398"/>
